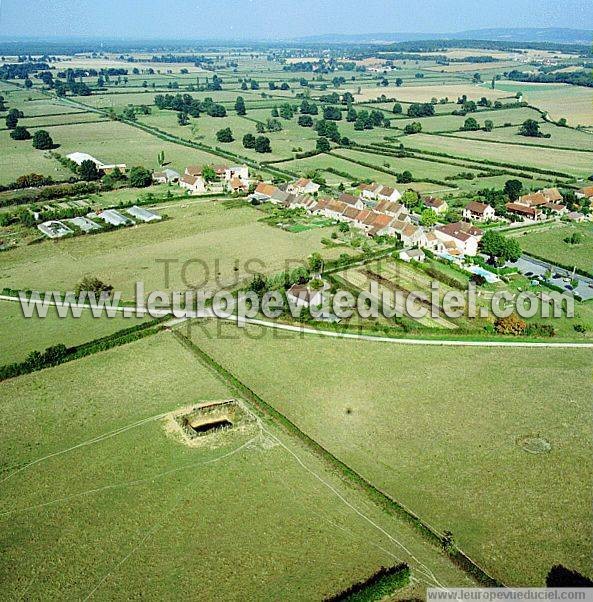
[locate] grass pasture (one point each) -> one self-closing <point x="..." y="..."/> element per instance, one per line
<point x="441" y="430"/>
<point x="213" y="239"/>
<point x="548" y="243"/>
<point x="19" y="335"/>
<point x="566" y="161"/>
<point x="135" y="512"/>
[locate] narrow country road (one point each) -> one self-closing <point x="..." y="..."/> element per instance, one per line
<point x="208" y="314"/>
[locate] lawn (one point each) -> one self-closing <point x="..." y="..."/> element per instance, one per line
<point x="440" y="429"/>
<point x="101" y="498"/>
<point x="210" y="246"/>
<point x="548" y="243"/>
<point x="19" y="335"/>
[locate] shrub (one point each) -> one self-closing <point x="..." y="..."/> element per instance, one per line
<point x="512" y="324"/>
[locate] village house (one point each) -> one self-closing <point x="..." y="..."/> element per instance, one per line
<point x="409" y="255"/>
<point x="552" y="195"/>
<point x="194" y="184"/>
<point x="167" y="176"/>
<point x="478" y="211"/>
<point x="556" y="209"/>
<point x="381" y="226"/>
<point x="264" y="192"/>
<point x="389" y="194"/>
<point x="439" y="206"/>
<point x="584" y="193"/>
<point x="533" y="199"/>
<point x="413" y="236"/>
<point x="464" y="236"/>
<point x="525" y="211"/>
<point x="369" y="191"/>
<point x="237" y="171"/>
<point x="279" y="197"/>
<point x="396" y="210"/>
<point x="303" y="186"/>
<point x="353" y="201"/>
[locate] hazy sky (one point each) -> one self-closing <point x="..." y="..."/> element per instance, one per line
<point x="268" y="19"/>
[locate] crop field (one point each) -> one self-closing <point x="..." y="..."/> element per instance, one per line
<point x="19" y="335"/>
<point x="550" y="244"/>
<point x="209" y="245"/>
<point x="577" y="164"/>
<point x="560" y="100"/>
<point x="97" y="495"/>
<point x="447" y="442"/>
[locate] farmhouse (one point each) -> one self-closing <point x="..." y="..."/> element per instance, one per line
<point x="533" y="199"/>
<point x="167" y="176"/>
<point x="437" y="205"/>
<point x="303" y="186"/>
<point x="555" y="208"/>
<point x="478" y="211"/>
<point x="195" y="184"/>
<point x="389" y="194"/>
<point x="374" y="192"/>
<point x="552" y="195"/>
<point x="54" y="229"/>
<point x="524" y="211"/>
<point x="143" y="215"/>
<point x="464" y="236"/>
<point x="302" y="296"/>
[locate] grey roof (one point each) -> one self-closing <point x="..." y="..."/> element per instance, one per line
<point x="143" y="214"/>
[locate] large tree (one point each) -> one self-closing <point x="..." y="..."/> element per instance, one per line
<point x="240" y="106"/>
<point x="513" y="189"/>
<point x="530" y="128"/>
<point x="224" y="135"/>
<point x="262" y="145"/>
<point x="498" y="248"/>
<point x="323" y="145"/>
<point x="42" y="140"/>
<point x="88" y="171"/>
<point x="140" y="177"/>
<point x="20" y="133"/>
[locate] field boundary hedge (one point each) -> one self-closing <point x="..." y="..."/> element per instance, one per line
<point x="60" y="354"/>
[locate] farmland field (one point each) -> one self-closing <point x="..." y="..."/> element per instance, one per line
<point x="431" y="436"/>
<point x="578" y="164"/>
<point x="135" y="511"/>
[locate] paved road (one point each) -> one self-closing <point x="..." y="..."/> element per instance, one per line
<point x="341" y="335"/>
<point x="526" y="263"/>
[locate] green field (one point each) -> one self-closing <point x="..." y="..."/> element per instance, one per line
<point x="19" y="335"/>
<point x="548" y="243"/>
<point x="438" y="429"/>
<point x="565" y="161"/>
<point x="210" y="246"/>
<point x="102" y="498"/>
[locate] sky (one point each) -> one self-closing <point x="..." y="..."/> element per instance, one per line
<point x="277" y="19"/>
